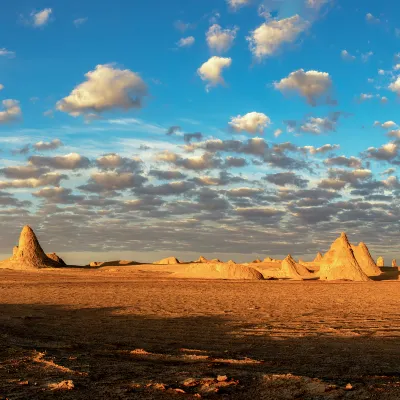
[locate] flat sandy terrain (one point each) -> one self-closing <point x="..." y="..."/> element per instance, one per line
<point x="125" y="334"/>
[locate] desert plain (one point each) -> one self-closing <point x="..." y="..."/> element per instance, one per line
<point x="142" y="331"/>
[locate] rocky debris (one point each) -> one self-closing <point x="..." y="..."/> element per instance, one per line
<point x="63" y="385"/>
<point x="365" y="261"/>
<point x="394" y="263"/>
<point x="168" y="261"/>
<point x="219" y="271"/>
<point x="380" y="262"/>
<point x="318" y="258"/>
<point x="56" y="258"/>
<point x="29" y="254"/>
<point x="340" y="263"/>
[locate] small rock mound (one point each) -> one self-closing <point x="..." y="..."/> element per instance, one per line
<point x="268" y="259"/>
<point x="292" y="270"/>
<point x="365" y="260"/>
<point x="168" y="261"/>
<point x="219" y="271"/>
<point x="256" y="261"/>
<point x="231" y="262"/>
<point x="95" y="263"/>
<point x="380" y="262"/>
<point x="56" y="258"/>
<point x="216" y="260"/>
<point x="394" y="263"/>
<point x="29" y="254"/>
<point x="339" y="262"/>
<point x="318" y="258"/>
<point x="201" y="259"/>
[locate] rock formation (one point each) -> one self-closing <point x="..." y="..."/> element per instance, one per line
<point x="339" y="262"/>
<point x="365" y="261"/>
<point x="56" y="258"/>
<point x="29" y="254"/>
<point x="268" y="259"/>
<point x="167" y="261"/>
<point x="231" y="262"/>
<point x="218" y="271"/>
<point x="291" y="269"/>
<point x="380" y="262"/>
<point x="216" y="260"/>
<point x="394" y="263"/>
<point x="318" y="258"/>
<point x="256" y="261"/>
<point x="201" y="259"/>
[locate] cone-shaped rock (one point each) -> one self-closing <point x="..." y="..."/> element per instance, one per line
<point x="201" y="259"/>
<point x="339" y="262"/>
<point x="167" y="261"/>
<point x="365" y="261"/>
<point x="318" y="258"/>
<point x="289" y="269"/>
<point x="380" y="262"/>
<point x="56" y="258"/>
<point x="394" y="263"/>
<point x="29" y="254"/>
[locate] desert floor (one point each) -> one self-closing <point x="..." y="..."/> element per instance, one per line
<point x="119" y="333"/>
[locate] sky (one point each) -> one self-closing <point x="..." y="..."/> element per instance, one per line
<point x="227" y="128"/>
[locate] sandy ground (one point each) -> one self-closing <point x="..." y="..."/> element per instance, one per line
<point x="118" y="333"/>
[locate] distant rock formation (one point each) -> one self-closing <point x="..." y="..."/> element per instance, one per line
<point x="256" y="261"/>
<point x="268" y="259"/>
<point x="95" y="263"/>
<point x="167" y="261"/>
<point x="340" y="263"/>
<point x="318" y="258"/>
<point x="216" y="260"/>
<point x="56" y="258"/>
<point x="365" y="261"/>
<point x="231" y="262"/>
<point x="380" y="262"/>
<point x="29" y="254"/>
<point x="201" y="259"/>
<point x="291" y="269"/>
<point x="219" y="271"/>
<point x="394" y="263"/>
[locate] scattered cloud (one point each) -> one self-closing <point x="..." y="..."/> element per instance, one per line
<point x="106" y="88"/>
<point x="70" y="161"/>
<point x="7" y="53"/>
<point x="186" y="41"/>
<point x="312" y="85"/>
<point x="40" y="18"/>
<point x="372" y="19"/>
<point x="347" y="56"/>
<point x="253" y="122"/>
<point x="11" y="111"/>
<point x="211" y="71"/>
<point x="267" y="39"/>
<point x="220" y="40"/>
<point x="80" y="21"/>
<point x="235" y="4"/>
<point x="52" y="145"/>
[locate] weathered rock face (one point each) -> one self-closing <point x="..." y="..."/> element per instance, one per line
<point x="340" y="263"/>
<point x="56" y="258"/>
<point x="292" y="270"/>
<point x="29" y="254"/>
<point x="318" y="258"/>
<point x="167" y="261"/>
<point x="394" y="263"/>
<point x="380" y="262"/>
<point x="365" y="261"/>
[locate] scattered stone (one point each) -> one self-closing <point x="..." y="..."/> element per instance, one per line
<point x="222" y="378"/>
<point x="349" y="386"/>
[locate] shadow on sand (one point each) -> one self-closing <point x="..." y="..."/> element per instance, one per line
<point x="110" y="354"/>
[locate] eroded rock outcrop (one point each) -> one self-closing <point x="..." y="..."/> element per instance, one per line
<point x="365" y="261"/>
<point x="380" y="262"/>
<point x="167" y="261"/>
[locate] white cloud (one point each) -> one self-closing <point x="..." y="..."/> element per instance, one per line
<point x="311" y="84"/>
<point x="1" y="86"/>
<point x="365" y="96"/>
<point x="51" y="178"/>
<point x="395" y="86"/>
<point x="384" y="99"/>
<point x="372" y="19"/>
<point x="389" y="125"/>
<point x="6" y="53"/>
<point x="41" y="18"/>
<point x="365" y="56"/>
<point x="12" y="111"/>
<point x="106" y="88"/>
<point x="252" y="122"/>
<point x="347" y="56"/>
<point x="42" y="146"/>
<point x="79" y="21"/>
<point x="219" y="39"/>
<point x="186" y="42"/>
<point x="278" y="132"/>
<point x="381" y="72"/>
<point x="317" y="4"/>
<point x="235" y="4"/>
<point x="318" y="125"/>
<point x="211" y="71"/>
<point x="396" y="67"/>
<point x="321" y="150"/>
<point x="265" y="40"/>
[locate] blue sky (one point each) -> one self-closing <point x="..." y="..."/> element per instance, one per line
<point x="310" y="85"/>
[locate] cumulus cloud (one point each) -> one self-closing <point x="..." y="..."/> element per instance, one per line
<point x="220" y="40"/>
<point x="317" y="126"/>
<point x="52" y="145"/>
<point x="253" y="122"/>
<point x="320" y="150"/>
<point x="51" y="178"/>
<point x="211" y="71"/>
<point x="395" y="86"/>
<point x="387" y="152"/>
<point x="287" y="178"/>
<point x="372" y="19"/>
<point x="186" y="41"/>
<point x="316" y="4"/>
<point x="254" y="146"/>
<point x="58" y="195"/>
<point x="115" y="161"/>
<point x="12" y="111"/>
<point x="166" y="189"/>
<point x="278" y="132"/>
<point x="266" y="40"/>
<point x="389" y="125"/>
<point x="235" y="4"/>
<point x="69" y="161"/>
<point x="365" y="96"/>
<point x="310" y="84"/>
<point x="41" y="18"/>
<point x="347" y="56"/>
<point x="166" y="175"/>
<point x="243" y="192"/>
<point x="333" y="184"/>
<point x="351" y="162"/>
<point x="106" y="88"/>
<point x="111" y="181"/>
<point x="188" y="137"/>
